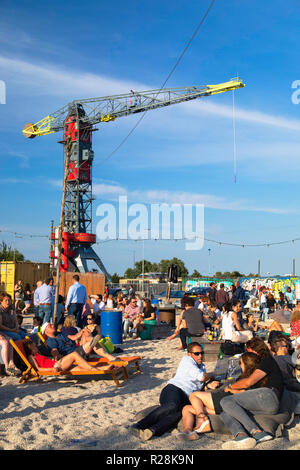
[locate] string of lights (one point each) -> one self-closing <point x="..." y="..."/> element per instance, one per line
<point x="209" y="240"/>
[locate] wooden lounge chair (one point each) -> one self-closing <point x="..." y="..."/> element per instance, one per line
<point x="132" y="362"/>
<point x="31" y="374"/>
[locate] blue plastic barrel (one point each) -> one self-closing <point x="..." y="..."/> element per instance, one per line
<point x="111" y="325"/>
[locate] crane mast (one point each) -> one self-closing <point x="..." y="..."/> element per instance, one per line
<point x="77" y="120"/>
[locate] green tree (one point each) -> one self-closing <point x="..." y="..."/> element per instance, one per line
<point x="236" y="274"/>
<point x="165" y="263"/>
<point x="195" y="274"/>
<point x="226" y="274"/>
<point x="115" y="278"/>
<point x="219" y="275"/>
<point x="148" y="266"/>
<point x="131" y="273"/>
<point x="7" y="253"/>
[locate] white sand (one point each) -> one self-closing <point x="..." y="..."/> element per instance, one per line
<point x="50" y="413"/>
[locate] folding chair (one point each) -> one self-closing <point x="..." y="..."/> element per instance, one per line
<point x="31" y="374"/>
<point x="132" y="362"/>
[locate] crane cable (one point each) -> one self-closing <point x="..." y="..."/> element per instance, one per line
<point x="234" y="135"/>
<point x="162" y="86"/>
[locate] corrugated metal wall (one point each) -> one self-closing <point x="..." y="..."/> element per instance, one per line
<point x="27" y="272"/>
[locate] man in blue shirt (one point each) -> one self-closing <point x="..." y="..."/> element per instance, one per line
<point x="43" y="297"/>
<point x="76" y="299"/>
<point x="240" y="293"/>
<point x="190" y="376"/>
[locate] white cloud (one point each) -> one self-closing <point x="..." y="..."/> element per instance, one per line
<point x="112" y="192"/>
<point x="54" y="81"/>
<point x="51" y="80"/>
<point x="254" y="116"/>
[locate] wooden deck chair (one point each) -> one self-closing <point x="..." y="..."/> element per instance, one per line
<point x="132" y="361"/>
<point x="31" y="374"/>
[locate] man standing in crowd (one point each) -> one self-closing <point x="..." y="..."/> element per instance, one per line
<point x="222" y="297"/>
<point x="194" y="322"/>
<point x="35" y="299"/>
<point x="43" y="298"/>
<point x="239" y="293"/>
<point x="131" y="292"/>
<point x="76" y="299"/>
<point x="254" y="291"/>
<point x="212" y="291"/>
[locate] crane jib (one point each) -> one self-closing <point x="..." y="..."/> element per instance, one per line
<point x="106" y="109"/>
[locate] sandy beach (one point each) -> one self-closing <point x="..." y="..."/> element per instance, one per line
<point x="50" y="414"/>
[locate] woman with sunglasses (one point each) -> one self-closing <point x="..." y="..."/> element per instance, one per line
<point x="146" y="315"/>
<point x="132" y="311"/>
<point x="208" y="402"/>
<point x="91" y="333"/>
<point x="190" y="376"/>
<point x="92" y="327"/>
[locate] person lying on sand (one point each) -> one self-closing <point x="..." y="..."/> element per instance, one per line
<point x="72" y="361"/>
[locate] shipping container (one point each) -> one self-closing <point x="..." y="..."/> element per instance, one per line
<point x="13" y="271"/>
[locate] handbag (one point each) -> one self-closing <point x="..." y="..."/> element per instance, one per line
<point x="107" y="344"/>
<point x="230" y="349"/>
<point x="241" y="336"/>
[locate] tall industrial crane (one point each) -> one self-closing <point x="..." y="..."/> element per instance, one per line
<point x="77" y="120"/>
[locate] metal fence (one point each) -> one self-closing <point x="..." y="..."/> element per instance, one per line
<point x="149" y="288"/>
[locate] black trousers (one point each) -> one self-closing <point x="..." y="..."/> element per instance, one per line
<point x="184" y="334"/>
<point x="76" y="310"/>
<point x="166" y="416"/>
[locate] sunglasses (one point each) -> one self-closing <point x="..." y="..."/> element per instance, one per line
<point x="198" y="353"/>
<point x="89" y="318"/>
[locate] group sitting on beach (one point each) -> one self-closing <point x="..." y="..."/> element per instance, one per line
<point x="193" y="395"/>
<point x="267" y="370"/>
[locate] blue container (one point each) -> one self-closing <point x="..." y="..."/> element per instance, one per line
<point x="155" y="301"/>
<point x="111" y="325"/>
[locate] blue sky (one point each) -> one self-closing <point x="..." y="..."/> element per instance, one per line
<point x="52" y="53"/>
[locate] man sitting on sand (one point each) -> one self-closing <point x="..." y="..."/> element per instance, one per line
<point x="60" y="344"/>
<point x="190" y="376"/>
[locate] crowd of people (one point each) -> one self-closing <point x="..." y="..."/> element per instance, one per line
<point x="266" y="362"/>
<point x="77" y="324"/>
<point x="266" y="354"/>
<point x="193" y="395"/>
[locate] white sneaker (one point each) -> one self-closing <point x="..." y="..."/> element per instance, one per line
<point x="188" y="436"/>
<point x="240" y="443"/>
